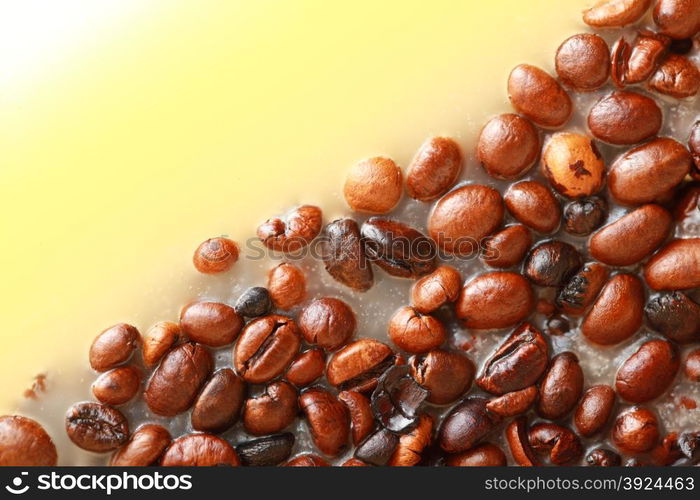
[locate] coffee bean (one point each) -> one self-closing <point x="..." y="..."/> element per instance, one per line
<point x="594" y="410"/>
<point x="692" y="366"/>
<point x="414" y="332"/>
<point x="583" y="62"/>
<point x="254" y="302"/>
<point x="615" y="13"/>
<point x="267" y="451"/>
<point x="144" y="448"/>
<point x="583" y="288"/>
<point x="306" y="367"/>
<point x="694" y="146"/>
<point x="344" y="255"/>
<point x="677" y="77"/>
<point x="667" y="452"/>
<point x="265" y="348"/>
<point x="689" y="444"/>
<point x="219" y="403"/>
<point x="507" y="247"/>
<point x="201" y="450"/>
<point x="96" y="427"/>
<point x="635" y="63"/>
<point x="508" y="146"/>
<point x="677" y="18"/>
<point x="636" y="430"/>
<point x="158" y="340"/>
<point x="517" y="363"/>
<point x="533" y="204"/>
<point x="464" y="216"/>
<point x="686" y="203"/>
<point x="573" y="165"/>
<point x="538" y="96"/>
<point x="373" y="186"/>
<point x="287" y="285"/>
<point x="327" y="322"/>
<point x="411" y="445"/>
<point x="378" y="448"/>
<point x="354" y="462"/>
<point x="302" y="225"/>
<point x="675" y="316"/>
<point x="117" y="386"/>
<point x="466" y="425"/>
<point x="447" y="375"/>
<point x="174" y="385"/>
<point x="484" y="455"/>
<point x="617" y="313"/>
<point x="495" y="300"/>
<point x="436" y="289"/>
<point x="397" y="248"/>
<point x="557" y="325"/>
<point x="601" y="457"/>
<point x="25" y="443"/>
<point x="623" y="117"/>
<point x="210" y="323"/>
<point x="560" y="443"/>
<point x="582" y="217"/>
<point x="561" y="387"/>
<point x="307" y="460"/>
<point x="648" y="226"/>
<point x="272" y="411"/>
<point x="397" y="400"/>
<point x="216" y="255"/>
<point x="675" y="267"/>
<point x="513" y="403"/>
<point x="113" y="346"/>
<point x="361" y="415"/>
<point x="328" y="420"/>
<point x="434" y="169"/>
<point x="648" y="372"/>
<point x="517" y="438"/>
<point x="552" y="263"/>
<point x="358" y="365"/>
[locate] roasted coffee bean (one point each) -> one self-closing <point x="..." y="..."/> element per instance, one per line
<point x="397" y="399"/>
<point x="508" y="146"/>
<point x="517" y="363"/>
<point x="573" y="165"/>
<point x="254" y="302"/>
<point x="219" y="403"/>
<point x="677" y="77"/>
<point x="302" y="225"/>
<point x="306" y="368"/>
<point x="307" y="460"/>
<point x="615" y="13"/>
<point x="414" y="332"/>
<point x="397" y="248"/>
<point x="667" y="452"/>
<point x="694" y="146"/>
<point x="464" y="216"/>
<point x="265" y="348"/>
<point x="354" y="462"/>
<point x="552" y="263"/>
<point x="636" y="430"/>
<point x="446" y="375"/>
<point x="507" y="247"/>
<point x="328" y="420"/>
<point x="513" y="403"/>
<point x="378" y="448"/>
<point x="484" y="455"/>
<point x="687" y="203"/>
<point x="623" y="117"/>
<point x="216" y="255"/>
<point x="174" y="385"/>
<point x="495" y="300"/>
<point x="648" y="372"/>
<point x="113" y="346"/>
<point x="434" y="169"/>
<point x="272" y="411"/>
<point x="287" y="285"/>
<point x="517" y="438"/>
<point x="648" y="226"/>
<point x="327" y="322"/>
<point x="409" y="451"/>
<point x="675" y="267"/>
<point x="594" y="410"/>
<point x="649" y="172"/>
<point x="557" y="325"/>
<point x="358" y="365"/>
<point x="601" y="457"/>
<point x="635" y="63"/>
<point x="561" y="387"/>
<point x="583" y="62"/>
<point x="96" y="427"/>
<point x="267" y="451"/>
<point x="539" y="97"/>
<point x="210" y="323"/>
<point x="466" y="425"/>
<point x="117" y="386"/>
<point x="618" y="311"/>
<point x="582" y="217"/>
<point x="144" y="448"/>
<point x="344" y="255"/>
<point x="689" y="444"/>
<point x="676" y="316"/>
<point x="583" y="288"/>
<point x="373" y="186"/>
<point x="158" y="340"/>
<point x="533" y="204"/>
<point x="677" y="18"/>
<point x="200" y="450"/>
<point x="560" y="443"/>
<point x="692" y="366"/>
<point x="25" y="443"/>
<point x="361" y="414"/>
<point x="436" y="289"/>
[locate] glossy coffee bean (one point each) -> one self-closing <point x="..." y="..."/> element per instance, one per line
<point x="200" y="450"/>
<point x="635" y="430"/>
<point x="573" y="165"/>
<point x="361" y="415"/>
<point x="552" y="263"/>
<point x="210" y="323"/>
<point x="675" y="267"/>
<point x="687" y="201"/>
<point x="113" y="346"/>
<point x="692" y="366"/>
<point x="617" y="313"/>
<point x="219" y="403"/>
<point x="601" y="457"/>
<point x="561" y="444"/>
<point x="96" y="427"/>
<point x="158" y="340"/>
<point x="447" y="375"/>
<point x="267" y="451"/>
<point x="677" y="76"/>
<point x="307" y="460"/>
<point x="561" y="387"/>
<point x="287" y="286"/>
<point x="301" y="226"/>
<point x="508" y="146"/>
<point x="408" y="452"/>
<point x="306" y="367"/>
<point x="484" y="455"/>
<point x="327" y="322"/>
<point x="398" y="399"/>
<point x="516" y="434"/>
<point x="677" y="18"/>
<point x="434" y="169"/>
<point x="594" y="410"/>
<point x="144" y="448"/>
<point x="378" y="448"/>
<point x="354" y="462"/>
<point x="414" y="332"/>
<point x="373" y="186"/>
<point x="216" y="255"/>
<point x="582" y="217"/>
<point x="271" y="411"/>
<point x="514" y="403"/>
<point x="583" y="288"/>
<point x="344" y="255"/>
<point x="495" y="300"/>
<point x="676" y="316"/>
<point x="358" y="364"/>
<point x="117" y="386"/>
<point x="254" y="302"/>
<point x="615" y="13"/>
<point x="466" y="425"/>
<point x="623" y="117"/>
<point x="507" y="247"/>
<point x="533" y="204"/>
<point x="647" y="373"/>
<point x="25" y="443"/>
<point x="636" y="62"/>
<point x="583" y="62"/>
<point x="538" y="96"/>
<point x="328" y="420"/>
<point x="436" y="289"/>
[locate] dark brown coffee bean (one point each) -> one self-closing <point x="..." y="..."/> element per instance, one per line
<point x="594" y="410"/>
<point x="648" y="372"/>
<point x="495" y="300"/>
<point x="517" y="438"/>
<point x="200" y="450"/>
<point x="533" y="204"/>
<point x="436" y="289"/>
<point x="96" y="427"/>
<point x="538" y="96"/>
<point x="117" y="386"/>
<point x="561" y="387"/>
<point x="464" y="216"/>
<point x="397" y="248"/>
<point x="507" y="247"/>
<point x="144" y="448"/>
<point x="409" y="451"/>
<point x="287" y="286"/>
<point x="358" y="364"/>
<point x="302" y="225"/>
<point x="692" y="366"/>
<point x="306" y="368"/>
<point x="582" y="288"/>
<point x="677" y="18"/>
<point x="573" y="165"/>
<point x="623" y="117"/>
<point x="267" y="451"/>
<point x="552" y="263"/>
<point x="328" y="420"/>
<point x="583" y="62"/>
<point x="158" y="340"/>
<point x="582" y="217"/>
<point x="344" y="255"/>
<point x="508" y="146"/>
<point x="265" y="348"/>
<point x="517" y="363"/>
<point x="272" y="411"/>
<point x="561" y="444"/>
<point x="615" y="13"/>
<point x="327" y="322"/>
<point x="675" y="267"/>
<point x="601" y="457"/>
<point x="557" y="325"/>
<point x="216" y="255"/>
<point x="677" y="77"/>
<point x="378" y="448"/>
<point x="210" y="323"/>
<point x="361" y="415"/>
<point x="373" y="186"/>
<point x="648" y="226"/>
<point x="397" y="400"/>
<point x="484" y="455"/>
<point x="447" y="375"/>
<point x="434" y="169"/>
<point x="174" y="385"/>
<point x="307" y="460"/>
<point x="635" y="63"/>
<point x="254" y="302"/>
<point x="676" y="316"/>
<point x="113" y="346"/>
<point x="636" y="430"/>
<point x="466" y="425"/>
<point x="414" y="332"/>
<point x="618" y="311"/>
<point x="25" y="443"/>
<point x="513" y="403"/>
<point x="219" y="403"/>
